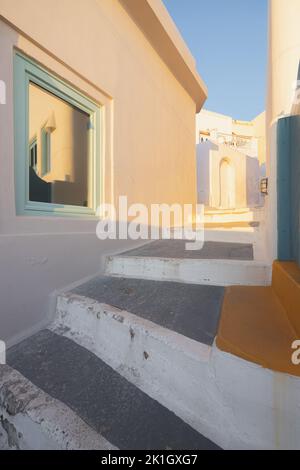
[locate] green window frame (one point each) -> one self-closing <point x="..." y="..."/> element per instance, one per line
<point x="27" y="71"/>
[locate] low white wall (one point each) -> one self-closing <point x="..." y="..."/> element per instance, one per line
<point x="33" y="266"/>
<point x="203" y="173"/>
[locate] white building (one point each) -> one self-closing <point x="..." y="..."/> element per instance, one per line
<point x="229" y="161"/>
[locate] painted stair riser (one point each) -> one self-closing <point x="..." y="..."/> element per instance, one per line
<point x="286" y="284"/>
<point x="248" y="235"/>
<point x="229" y="218"/>
<point x="205" y="387"/>
<point x="205" y="272"/>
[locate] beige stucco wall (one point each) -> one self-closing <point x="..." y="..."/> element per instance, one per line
<point x="153" y="115"/>
<point x="148" y="144"/>
<point x="259" y="124"/>
<point x="284" y="56"/>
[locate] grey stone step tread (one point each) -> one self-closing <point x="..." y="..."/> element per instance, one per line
<point x="119" y="411"/>
<point x="189" y="309"/>
<point x="211" y="250"/>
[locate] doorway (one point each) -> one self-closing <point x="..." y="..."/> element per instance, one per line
<point x="227" y="185"/>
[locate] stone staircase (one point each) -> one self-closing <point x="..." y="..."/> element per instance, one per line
<point x="218" y="263"/>
<point x="98" y="396"/>
<point x="132" y="362"/>
<point x="232" y="218"/>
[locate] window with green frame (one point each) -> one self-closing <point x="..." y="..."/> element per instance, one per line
<point x="57" y="144"/>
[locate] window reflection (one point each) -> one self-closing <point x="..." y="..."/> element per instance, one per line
<point x="59" y="156"/>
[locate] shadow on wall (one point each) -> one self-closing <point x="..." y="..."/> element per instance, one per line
<point x="253" y="182"/>
<point x="203" y="171"/>
<point x="263" y="170"/>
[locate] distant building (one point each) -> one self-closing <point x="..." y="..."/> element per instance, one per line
<point x="230" y="160"/>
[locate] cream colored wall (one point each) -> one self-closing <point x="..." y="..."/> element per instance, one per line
<point x="148" y="144"/>
<point x="259" y="124"/>
<point x="284" y="56"/>
<point x="153" y="114"/>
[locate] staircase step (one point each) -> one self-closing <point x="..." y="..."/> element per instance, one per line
<point x="255" y="327"/>
<point x="170" y="367"/>
<point x="217" y="264"/>
<point x="286" y="284"/>
<point x="30" y="419"/>
<point x="241" y="210"/>
<point x="233" y="225"/>
<point x="106" y="401"/>
<point x="191" y="310"/>
<point x="204" y="386"/>
<point x="245" y="235"/>
<point x="238" y="216"/>
<point x="176" y="249"/>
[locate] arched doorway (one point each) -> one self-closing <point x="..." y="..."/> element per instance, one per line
<point x="227" y="185"/>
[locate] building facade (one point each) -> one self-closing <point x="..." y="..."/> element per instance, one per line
<point x="81" y="101"/>
<point x="230" y="161"/>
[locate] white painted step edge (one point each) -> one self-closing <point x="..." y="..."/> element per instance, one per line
<point x="32" y="420"/>
<point x="194" y="271"/>
<point x="230" y="218"/>
<point x="79" y="316"/>
<point x="246" y="235"/>
<point x="236" y="404"/>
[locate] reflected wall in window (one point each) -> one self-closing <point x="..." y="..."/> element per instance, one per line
<point x="46" y="152"/>
<point x="33" y="153"/>
<point x="59" y="150"/>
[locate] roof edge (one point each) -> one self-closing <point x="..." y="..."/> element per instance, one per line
<point x="154" y="21"/>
